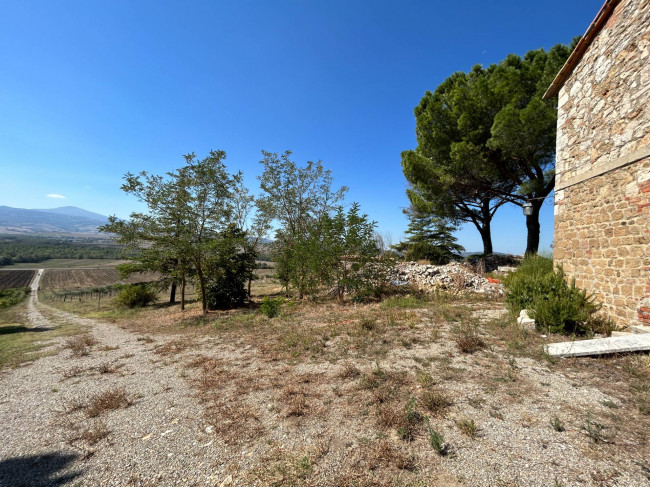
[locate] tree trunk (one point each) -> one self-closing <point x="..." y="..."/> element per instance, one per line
<point x="204" y="304"/>
<point x="183" y="292"/>
<point x="532" y="224"/>
<point x="172" y="293"/>
<point x="485" y="229"/>
<point x="486" y="236"/>
<point x="250" y="279"/>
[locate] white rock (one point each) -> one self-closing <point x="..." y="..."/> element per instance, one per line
<point x="525" y="321"/>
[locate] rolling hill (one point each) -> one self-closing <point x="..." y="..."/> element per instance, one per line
<point x="66" y="219"/>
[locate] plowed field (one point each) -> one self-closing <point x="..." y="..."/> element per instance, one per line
<point x="87" y="278"/>
<point x="9" y="279"/>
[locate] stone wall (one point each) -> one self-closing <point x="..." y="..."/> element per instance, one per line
<point x="602" y="199"/>
<point x="602" y="230"/>
<point x="603" y="107"/>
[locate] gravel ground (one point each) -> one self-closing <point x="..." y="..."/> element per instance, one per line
<point x="167" y="435"/>
<point x="158" y="440"/>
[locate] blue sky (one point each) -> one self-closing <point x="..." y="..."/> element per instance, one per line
<point x="92" y="89"/>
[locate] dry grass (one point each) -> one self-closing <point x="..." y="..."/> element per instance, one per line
<point x="435" y="401"/>
<point x="94" y="433"/>
<point x="80" y="345"/>
<point x="468" y="427"/>
<point x="467" y="338"/>
<point x="108" y="401"/>
<point x="295" y="401"/>
<point x="339" y="394"/>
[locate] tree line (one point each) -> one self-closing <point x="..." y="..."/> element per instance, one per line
<point x="15" y="250"/>
<point x="203" y="225"/>
<point x="484" y="139"/>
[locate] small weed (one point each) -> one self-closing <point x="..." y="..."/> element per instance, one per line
<point x="609" y="404"/>
<point x="146" y="339"/>
<point x="368" y="324"/>
<point x="437" y="442"/>
<point x="107" y="401"/>
<point x="97" y="432"/>
<point x="557" y="424"/>
<point x="435" y="401"/>
<point x="424" y="379"/>
<point x="467" y="338"/>
<point x="80" y="345"/>
<point x="643" y="403"/>
<point x="105" y="368"/>
<point x="295" y="400"/>
<point x="468" y="427"/>
<point x="72" y="372"/>
<point x="406" y="431"/>
<point x="595" y="430"/>
<point x="271" y="306"/>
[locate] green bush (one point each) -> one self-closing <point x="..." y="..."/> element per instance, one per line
<point x="228" y="270"/>
<point x="11" y="296"/>
<point x="556" y="305"/>
<point x="271" y="306"/>
<point x="136" y="296"/>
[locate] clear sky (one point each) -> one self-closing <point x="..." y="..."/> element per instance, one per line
<point x="91" y="89"/>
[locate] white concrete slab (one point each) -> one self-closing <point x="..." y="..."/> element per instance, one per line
<point x="640" y="329"/>
<point x="600" y="346"/>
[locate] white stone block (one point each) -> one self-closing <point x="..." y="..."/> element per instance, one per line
<point x="525" y="321"/>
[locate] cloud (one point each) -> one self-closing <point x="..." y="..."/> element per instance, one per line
<point x="54" y="195"/>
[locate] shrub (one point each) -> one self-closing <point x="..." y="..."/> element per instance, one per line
<point x="271" y="306"/>
<point x="136" y="295"/>
<point x="557" y="306"/>
<point x="228" y="270"/>
<point x="11" y="296"/>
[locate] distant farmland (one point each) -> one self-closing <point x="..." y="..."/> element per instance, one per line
<point x="9" y="279"/>
<point x="88" y="278"/>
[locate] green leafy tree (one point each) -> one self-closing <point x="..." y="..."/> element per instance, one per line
<point x="152" y="240"/>
<point x="524" y="128"/>
<point x="297" y="198"/>
<point x="486" y="138"/>
<point x="187" y="211"/>
<point x="256" y="224"/>
<point x="227" y="269"/>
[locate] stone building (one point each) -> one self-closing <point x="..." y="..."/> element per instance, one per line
<point x="602" y="187"/>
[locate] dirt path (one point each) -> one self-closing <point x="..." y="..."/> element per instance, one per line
<point x="49" y="438"/>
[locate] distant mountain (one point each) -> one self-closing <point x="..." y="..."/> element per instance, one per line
<point x="74" y="211"/>
<point x="67" y="219"/>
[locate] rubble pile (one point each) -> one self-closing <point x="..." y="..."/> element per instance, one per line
<point x="492" y="262"/>
<point x="454" y="277"/>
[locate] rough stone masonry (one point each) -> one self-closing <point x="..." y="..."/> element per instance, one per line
<point x="602" y="189"/>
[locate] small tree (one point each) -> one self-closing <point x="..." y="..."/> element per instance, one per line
<point x="348" y="250"/>
<point x="298" y="198"/>
<point x="430" y="238"/>
<point x="186" y="211"/>
<point x="227" y="268"/>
